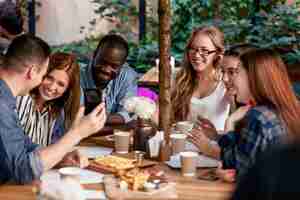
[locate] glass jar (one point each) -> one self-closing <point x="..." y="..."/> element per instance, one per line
<point x="144" y="130"/>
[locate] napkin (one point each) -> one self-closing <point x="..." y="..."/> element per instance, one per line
<point x="154" y="143"/>
<point x="66" y="189"/>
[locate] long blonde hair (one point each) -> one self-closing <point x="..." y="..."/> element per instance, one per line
<point x="270" y="85"/>
<point x="186" y="79"/>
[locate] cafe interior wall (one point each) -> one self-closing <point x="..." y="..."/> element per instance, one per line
<point x="62" y="21"/>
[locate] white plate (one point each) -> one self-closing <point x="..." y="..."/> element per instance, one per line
<point x="93" y="152"/>
<point x="203" y="161"/>
<point x="94" y="194"/>
<point x="189" y="146"/>
<point x="85" y="176"/>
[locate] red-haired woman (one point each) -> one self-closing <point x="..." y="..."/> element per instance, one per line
<point x="52" y="106"/>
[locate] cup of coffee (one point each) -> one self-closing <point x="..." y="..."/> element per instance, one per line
<point x="184" y="126"/>
<point x="188" y="163"/>
<point x="122" y="141"/>
<point x="178" y="142"/>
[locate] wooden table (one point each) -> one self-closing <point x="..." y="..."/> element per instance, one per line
<point x="187" y="188"/>
<point x="26" y="192"/>
<point x="193" y="188"/>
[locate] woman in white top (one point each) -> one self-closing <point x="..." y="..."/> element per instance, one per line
<point x="198" y="89"/>
<point x="52" y="106"/>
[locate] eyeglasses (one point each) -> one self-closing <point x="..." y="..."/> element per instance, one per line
<point x="201" y="51"/>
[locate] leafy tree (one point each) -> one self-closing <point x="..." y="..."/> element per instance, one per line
<point x="276" y="25"/>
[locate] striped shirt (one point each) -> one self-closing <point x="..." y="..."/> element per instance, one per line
<point x="37" y="125"/>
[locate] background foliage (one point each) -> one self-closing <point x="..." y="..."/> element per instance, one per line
<point x="276" y="25"/>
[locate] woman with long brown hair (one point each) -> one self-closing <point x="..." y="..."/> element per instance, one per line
<point x="261" y="77"/>
<point x="198" y="89"/>
<point x="52" y="106"/>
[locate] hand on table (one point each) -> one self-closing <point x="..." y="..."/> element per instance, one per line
<point x="74" y="158"/>
<point x="227" y="175"/>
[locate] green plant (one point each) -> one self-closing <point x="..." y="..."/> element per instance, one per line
<point x="279" y="29"/>
<point x="231" y="18"/>
<point x="276" y="25"/>
<point x="83" y="49"/>
<point x="124" y="14"/>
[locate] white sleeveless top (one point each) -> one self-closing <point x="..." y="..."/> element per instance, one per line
<point x="214" y="107"/>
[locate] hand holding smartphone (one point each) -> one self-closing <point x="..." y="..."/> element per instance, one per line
<point x="92" y="98"/>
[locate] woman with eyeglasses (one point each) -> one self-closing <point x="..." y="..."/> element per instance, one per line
<point x="198" y="90"/>
<point x="260" y="76"/>
<point x="52" y="106"/>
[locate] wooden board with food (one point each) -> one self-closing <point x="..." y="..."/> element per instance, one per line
<point x="115" y="163"/>
<point x="139" y="184"/>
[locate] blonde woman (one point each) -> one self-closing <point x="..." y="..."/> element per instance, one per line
<point x="198" y="89"/>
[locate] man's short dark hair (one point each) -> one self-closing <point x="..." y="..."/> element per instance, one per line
<point x="113" y="41"/>
<point x="24" y="50"/>
<point x="10" y="18"/>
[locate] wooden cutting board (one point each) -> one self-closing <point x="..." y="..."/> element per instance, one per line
<point x="113" y="191"/>
<point x="106" y="169"/>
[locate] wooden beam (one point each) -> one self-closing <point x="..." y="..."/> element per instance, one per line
<point x="164" y="12"/>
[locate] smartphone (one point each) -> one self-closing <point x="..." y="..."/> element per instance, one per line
<point x="208" y="175"/>
<point x="92" y="98"/>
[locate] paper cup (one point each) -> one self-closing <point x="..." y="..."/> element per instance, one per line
<point x="178" y="142"/>
<point x="122" y="141"/>
<point x="188" y="163"/>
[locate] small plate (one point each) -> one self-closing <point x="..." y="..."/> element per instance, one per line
<point x="93" y="152"/>
<point x="203" y="161"/>
<point x="94" y="194"/>
<point x="85" y="176"/>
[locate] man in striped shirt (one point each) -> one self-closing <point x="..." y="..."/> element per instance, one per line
<point x="24" y="65"/>
<point x="110" y="74"/>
